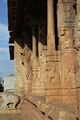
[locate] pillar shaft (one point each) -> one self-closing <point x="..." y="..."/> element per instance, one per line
<point x="50" y="27"/>
<point x="34" y="45"/>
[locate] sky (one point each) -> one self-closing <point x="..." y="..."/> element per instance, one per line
<point x="6" y="66"/>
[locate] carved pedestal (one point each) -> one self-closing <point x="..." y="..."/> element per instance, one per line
<point x="53" y="91"/>
<point x="39" y="73"/>
<point x="68" y="82"/>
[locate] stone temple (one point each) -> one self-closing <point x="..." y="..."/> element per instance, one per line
<point x="45" y="45"/>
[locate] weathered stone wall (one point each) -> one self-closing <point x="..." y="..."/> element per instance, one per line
<point x="53" y="74"/>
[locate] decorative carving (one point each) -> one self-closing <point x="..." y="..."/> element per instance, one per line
<point x="68" y="13"/>
<point x="36" y="76"/>
<point x="53" y="75"/>
<point x="27" y="67"/>
<point x="77" y="32"/>
<point x="69" y="37"/>
<point x="26" y="61"/>
<point x="77" y="44"/>
<point x="78" y="69"/>
<point x="11" y="100"/>
<point x="66" y="38"/>
<point x="70" y="77"/>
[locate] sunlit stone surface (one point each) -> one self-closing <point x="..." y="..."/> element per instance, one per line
<point x="46" y="37"/>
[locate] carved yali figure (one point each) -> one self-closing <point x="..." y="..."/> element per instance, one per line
<point x="26" y="55"/>
<point x="27" y="66"/>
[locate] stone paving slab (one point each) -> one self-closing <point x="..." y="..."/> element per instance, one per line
<point x="10" y="115"/>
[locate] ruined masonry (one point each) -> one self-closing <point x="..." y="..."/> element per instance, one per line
<point x="46" y="51"/>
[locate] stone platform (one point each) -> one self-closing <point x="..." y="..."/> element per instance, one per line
<point x="27" y="112"/>
<point x="10" y="115"/>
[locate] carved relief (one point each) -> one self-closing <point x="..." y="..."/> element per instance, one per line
<point x="26" y="62"/>
<point x="78" y="69"/>
<point x="27" y="67"/>
<point x="36" y="76"/>
<point x="69" y="37"/>
<point x="68" y="13"/>
<point x="77" y="43"/>
<point x="77" y="32"/>
<point x="66" y="38"/>
<point x="70" y="77"/>
<point x="53" y="76"/>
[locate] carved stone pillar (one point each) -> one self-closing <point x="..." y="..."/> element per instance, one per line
<point x="34" y="49"/>
<point x="53" y="76"/>
<point x="35" y="65"/>
<point x="50" y="27"/>
<point x="66" y="19"/>
<point x="77" y="44"/>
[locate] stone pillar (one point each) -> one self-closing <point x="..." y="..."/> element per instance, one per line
<point x="34" y="49"/>
<point x="38" y="86"/>
<point x="53" y="77"/>
<point x="35" y="65"/>
<point x="66" y="19"/>
<point x="50" y="27"/>
<point x="42" y="56"/>
<point x="77" y="44"/>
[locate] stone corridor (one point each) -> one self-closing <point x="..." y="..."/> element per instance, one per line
<point x="45" y="45"/>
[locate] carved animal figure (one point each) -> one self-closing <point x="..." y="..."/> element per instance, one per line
<point x="27" y="68"/>
<point x="11" y="100"/>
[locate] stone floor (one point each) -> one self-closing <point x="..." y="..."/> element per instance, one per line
<point x="10" y="117"/>
<point x="27" y="112"/>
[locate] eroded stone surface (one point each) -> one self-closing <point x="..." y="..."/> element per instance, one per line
<point x="47" y="54"/>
